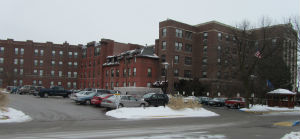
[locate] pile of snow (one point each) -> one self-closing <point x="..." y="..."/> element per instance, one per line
<point x="265" y="108"/>
<point x="292" y="135"/>
<point x="13" y="116"/>
<point x="158" y="112"/>
<point x="5" y="91"/>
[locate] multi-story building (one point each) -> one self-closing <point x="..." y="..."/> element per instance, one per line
<point x="209" y="52"/>
<point x="134" y="68"/>
<point x="23" y="63"/>
<point x="94" y="56"/>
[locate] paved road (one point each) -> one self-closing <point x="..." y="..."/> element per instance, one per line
<point x="57" y="118"/>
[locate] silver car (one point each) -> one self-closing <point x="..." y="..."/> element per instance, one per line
<point x="122" y="101"/>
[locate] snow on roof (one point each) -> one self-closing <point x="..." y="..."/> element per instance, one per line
<point x="282" y="91"/>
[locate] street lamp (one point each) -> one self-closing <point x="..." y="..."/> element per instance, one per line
<point x="165" y="85"/>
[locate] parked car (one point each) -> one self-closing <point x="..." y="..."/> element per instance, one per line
<point x="26" y="89"/>
<point x="74" y="94"/>
<point x="238" y="102"/>
<point x="54" y="91"/>
<point x="155" y="99"/>
<point x="84" y="97"/>
<point x="204" y="100"/>
<point x="217" y="102"/>
<point x="105" y="91"/>
<point x="125" y="101"/>
<point x="96" y="100"/>
<point x="9" y="88"/>
<point x="15" y="89"/>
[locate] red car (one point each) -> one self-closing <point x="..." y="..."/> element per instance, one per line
<point x="238" y="103"/>
<point x="96" y="100"/>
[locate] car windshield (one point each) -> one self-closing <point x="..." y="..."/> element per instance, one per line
<point x="148" y="95"/>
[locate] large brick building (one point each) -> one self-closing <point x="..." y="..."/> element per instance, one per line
<point x="209" y="53"/>
<point x="23" y="63"/>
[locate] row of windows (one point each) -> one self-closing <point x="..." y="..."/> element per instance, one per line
<point x="186" y="73"/>
<point x="116" y="84"/>
<point x="52" y="73"/>
<point x="178" y="46"/>
<point x="178" y="33"/>
<point x="125" y="72"/>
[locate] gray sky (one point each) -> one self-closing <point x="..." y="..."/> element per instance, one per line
<point x="128" y="21"/>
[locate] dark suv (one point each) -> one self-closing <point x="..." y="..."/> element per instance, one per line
<point x="156" y="99"/>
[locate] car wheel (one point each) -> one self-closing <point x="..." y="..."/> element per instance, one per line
<point x="65" y="96"/>
<point x="142" y="105"/>
<point x="88" y="102"/>
<point x="120" y="106"/>
<point x="46" y="95"/>
<point x="238" y="106"/>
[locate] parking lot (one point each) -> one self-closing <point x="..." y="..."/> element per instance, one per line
<point x="55" y="108"/>
<point x="58" y="117"/>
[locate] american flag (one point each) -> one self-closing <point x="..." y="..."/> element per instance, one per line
<point x="258" y="54"/>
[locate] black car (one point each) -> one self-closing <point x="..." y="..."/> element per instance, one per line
<point x="156" y="99"/>
<point x="217" y="102"/>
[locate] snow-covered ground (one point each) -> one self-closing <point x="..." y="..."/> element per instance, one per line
<point x="292" y="135"/>
<point x="265" y="108"/>
<point x="158" y="112"/>
<point x="13" y="116"/>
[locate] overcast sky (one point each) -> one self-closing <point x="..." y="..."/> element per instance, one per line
<point x="128" y="21"/>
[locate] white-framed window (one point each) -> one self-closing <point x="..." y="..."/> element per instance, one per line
<point x="22" y="51"/>
<point x="75" y="74"/>
<point x="60" y="63"/>
<point x="16" y="51"/>
<point x="35" y="62"/>
<point x="35" y="71"/>
<point x="42" y="52"/>
<point x="20" y="82"/>
<point x="52" y="62"/>
<point x="164" y="32"/>
<point x="74" y="85"/>
<point x="69" y="74"/>
<point x="53" y="53"/>
<point x="128" y="84"/>
<point x="205" y="35"/>
<point x="1" y="69"/>
<point x="219" y="36"/>
<point x="75" y="64"/>
<point x="134" y="84"/>
<point x="16" y="61"/>
<point x="34" y="82"/>
<point x="41" y="72"/>
<point x="40" y="82"/>
<point x="59" y="83"/>
<point x="21" y="61"/>
<point x="1" y="60"/>
<point x="15" y="71"/>
<point x="176" y="72"/>
<point x="124" y="84"/>
<point x="21" y="71"/>
<point x="75" y="54"/>
<point x="70" y="54"/>
<point x="178" y="46"/>
<point x="52" y="72"/>
<point x="176" y="59"/>
<point x="70" y="64"/>
<point x="61" y="53"/>
<point x="52" y="83"/>
<point x="2" y="49"/>
<point x="164" y="45"/>
<point x="41" y="62"/>
<point x="36" y="52"/>
<point x="60" y="73"/>
<point x="69" y="84"/>
<point x="178" y="33"/>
